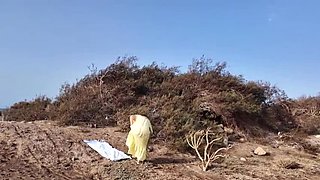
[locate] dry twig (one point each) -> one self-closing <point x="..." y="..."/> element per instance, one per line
<point x="195" y="140"/>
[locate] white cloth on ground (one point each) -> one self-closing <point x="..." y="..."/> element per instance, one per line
<point x="106" y="150"/>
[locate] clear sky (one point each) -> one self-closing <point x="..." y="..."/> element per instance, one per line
<point x="44" y="43"/>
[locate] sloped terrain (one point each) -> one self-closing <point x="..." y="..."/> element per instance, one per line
<point x="43" y="150"/>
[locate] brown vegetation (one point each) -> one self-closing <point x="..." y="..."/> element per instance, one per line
<point x="38" y="109"/>
<point x="176" y="103"/>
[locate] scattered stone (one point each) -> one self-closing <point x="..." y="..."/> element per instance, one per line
<point x="298" y="147"/>
<point x="150" y="149"/>
<point x="293" y="165"/>
<point x="228" y="130"/>
<point x="242" y="140"/>
<point x="243" y="159"/>
<point x="275" y="144"/>
<point x="260" y="152"/>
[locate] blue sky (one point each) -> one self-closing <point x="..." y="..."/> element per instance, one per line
<point x="44" y="43"/>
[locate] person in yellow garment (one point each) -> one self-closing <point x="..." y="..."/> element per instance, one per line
<point x="138" y="137"/>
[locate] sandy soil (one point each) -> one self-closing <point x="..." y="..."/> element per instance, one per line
<point x="43" y="150"/>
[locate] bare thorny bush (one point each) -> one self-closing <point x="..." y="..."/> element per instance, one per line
<point x="203" y="142"/>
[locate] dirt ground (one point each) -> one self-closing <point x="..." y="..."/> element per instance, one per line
<point x="43" y="150"/>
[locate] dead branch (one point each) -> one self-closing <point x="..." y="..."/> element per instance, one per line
<point x="314" y="112"/>
<point x="195" y="140"/>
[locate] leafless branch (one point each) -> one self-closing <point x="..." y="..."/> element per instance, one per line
<point x="195" y="140"/>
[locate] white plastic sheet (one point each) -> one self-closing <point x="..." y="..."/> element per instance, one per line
<point x="106" y="150"/>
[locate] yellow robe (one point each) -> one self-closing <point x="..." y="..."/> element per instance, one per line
<point x="138" y="137"/>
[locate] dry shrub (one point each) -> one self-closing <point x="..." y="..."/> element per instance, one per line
<point x="175" y="102"/>
<point x="278" y="119"/>
<point x="306" y="112"/>
<point x="37" y="109"/>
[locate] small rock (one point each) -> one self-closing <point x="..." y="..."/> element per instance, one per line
<point x="298" y="147"/>
<point x="317" y="136"/>
<point x="228" y="130"/>
<point x="242" y="140"/>
<point x="243" y="159"/>
<point x="260" y="152"/>
<point x="150" y="149"/>
<point x="275" y="145"/>
<point x="293" y="165"/>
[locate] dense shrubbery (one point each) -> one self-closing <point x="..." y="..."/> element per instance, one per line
<point x="306" y="112"/>
<point x="175" y="102"/>
<point x="38" y="109"/>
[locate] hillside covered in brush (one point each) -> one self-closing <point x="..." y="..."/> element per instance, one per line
<point x="176" y="102"/>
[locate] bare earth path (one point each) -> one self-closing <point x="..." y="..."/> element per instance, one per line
<point x="43" y="150"/>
